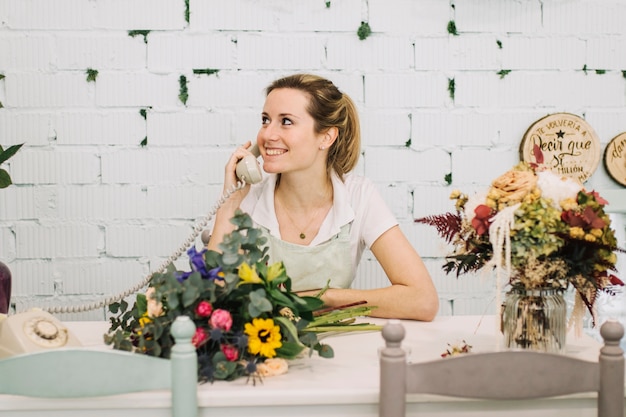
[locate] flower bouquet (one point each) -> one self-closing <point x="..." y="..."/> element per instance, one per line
<point x="541" y="231"/>
<point x="248" y="321"/>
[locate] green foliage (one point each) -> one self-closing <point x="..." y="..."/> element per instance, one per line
<point x="499" y="43"/>
<point x="231" y="296"/>
<point x="364" y="31"/>
<point x="143" y="113"/>
<point x="187" y="11"/>
<point x="451" y="87"/>
<point x="144" y="142"/>
<point x="600" y="71"/>
<point x="408" y="143"/>
<point x="448" y="178"/>
<point x="206" y="71"/>
<point x="328" y="4"/>
<point x="92" y="74"/>
<point x="452" y="28"/>
<point x="5" y="178"/>
<point x="585" y="69"/>
<point x="143" y="33"/>
<point x="503" y="73"/>
<point x="1" y="76"/>
<point x="183" y="94"/>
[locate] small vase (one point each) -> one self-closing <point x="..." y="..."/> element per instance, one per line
<point x="5" y="288"/>
<point x="535" y="320"/>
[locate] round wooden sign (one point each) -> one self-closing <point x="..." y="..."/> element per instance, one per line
<point x="565" y="143"/>
<point x="615" y="158"/>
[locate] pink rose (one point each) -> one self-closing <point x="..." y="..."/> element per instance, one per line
<point x="199" y="337"/>
<point x="221" y="319"/>
<point x="231" y="352"/>
<point x="204" y="309"/>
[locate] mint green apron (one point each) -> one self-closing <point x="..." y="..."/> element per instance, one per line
<point x="310" y="267"/>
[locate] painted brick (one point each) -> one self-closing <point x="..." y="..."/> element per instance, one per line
<point x="137" y="89"/>
<point x="607" y="123"/>
<point x="398" y="198"/>
<point x="295" y="52"/>
<point x="369" y="273"/>
<point x="140" y="14"/>
<point x="163" y="166"/>
<point x="467" y="52"/>
<point x="275" y="16"/>
<point x="35" y="90"/>
<point x="479" y="166"/>
<point x="100" y="52"/>
<point x="470" y="128"/>
<point x="347" y="52"/>
<point x="543" y="53"/>
<point x="92" y="203"/>
<point x="42" y="14"/>
<point x="607" y="53"/>
<point x="407" y="165"/>
<point x="569" y="91"/>
<point x="32" y="278"/>
<point x="406" y="90"/>
<point x="125" y="127"/>
<point x="393" y="126"/>
<point x="35" y="241"/>
<point x="229" y="89"/>
<point x="189" y="128"/>
<point x="180" y="52"/>
<point x="586" y="18"/>
<point x="32" y="128"/>
<point x="25" y="53"/>
<point x="49" y="167"/>
<point x="7" y="248"/>
<point x="497" y="16"/>
<point x="130" y="240"/>
<point x="407" y="16"/>
<point x="17" y="203"/>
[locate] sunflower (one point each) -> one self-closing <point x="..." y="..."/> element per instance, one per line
<point x="264" y="337"/>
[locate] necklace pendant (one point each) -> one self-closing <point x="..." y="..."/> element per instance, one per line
<point x="302" y="236"/>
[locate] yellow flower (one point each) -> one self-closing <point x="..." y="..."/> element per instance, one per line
<point x="264" y="337"/>
<point x="576" y="232"/>
<point x="590" y="238"/>
<point x="596" y="232"/>
<point x="455" y="194"/>
<point x="274" y="271"/>
<point x="248" y="275"/>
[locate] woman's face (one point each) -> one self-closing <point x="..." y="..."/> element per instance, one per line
<point x="287" y="137"/>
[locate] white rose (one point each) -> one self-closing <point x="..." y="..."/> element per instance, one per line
<point x="557" y="188"/>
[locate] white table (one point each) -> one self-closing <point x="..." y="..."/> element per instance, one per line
<point x="346" y="385"/>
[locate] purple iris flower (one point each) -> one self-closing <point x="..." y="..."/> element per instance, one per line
<point x="181" y="276"/>
<point x="196" y="261"/>
<point x="216" y="274"/>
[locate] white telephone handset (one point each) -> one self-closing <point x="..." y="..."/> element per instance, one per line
<point x="248" y="168"/>
<point x="32" y="331"/>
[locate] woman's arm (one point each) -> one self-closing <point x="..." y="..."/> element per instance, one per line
<point x="412" y="294"/>
<point x="222" y="225"/>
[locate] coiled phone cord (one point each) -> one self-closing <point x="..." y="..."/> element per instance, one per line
<point x="198" y="228"/>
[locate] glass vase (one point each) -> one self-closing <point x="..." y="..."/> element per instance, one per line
<point x="535" y="320"/>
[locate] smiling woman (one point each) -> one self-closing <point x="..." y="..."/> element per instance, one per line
<point x="317" y="215"/>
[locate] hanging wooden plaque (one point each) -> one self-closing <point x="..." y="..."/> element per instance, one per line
<point x="569" y="145"/>
<point x="615" y="158"/>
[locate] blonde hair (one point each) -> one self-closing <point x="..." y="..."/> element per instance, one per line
<point x="329" y="107"/>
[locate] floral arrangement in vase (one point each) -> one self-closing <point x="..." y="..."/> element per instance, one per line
<point x="540" y="230"/>
<point x="248" y="321"/>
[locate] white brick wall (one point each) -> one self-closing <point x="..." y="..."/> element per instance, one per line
<point x="92" y="211"/>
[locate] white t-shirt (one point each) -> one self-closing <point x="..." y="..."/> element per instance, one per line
<point x="356" y="201"/>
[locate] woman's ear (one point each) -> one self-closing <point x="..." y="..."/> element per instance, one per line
<point x="330" y="137"/>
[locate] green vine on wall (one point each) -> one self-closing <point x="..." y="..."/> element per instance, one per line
<point x="499" y="43"/>
<point x="452" y="28"/>
<point x="144" y="142"/>
<point x="624" y="73"/>
<point x="503" y="73"/>
<point x="183" y="93"/>
<point x="448" y="178"/>
<point x="92" y="74"/>
<point x="206" y="71"/>
<point x="328" y="4"/>
<point x="1" y="78"/>
<point x="451" y="87"/>
<point x="144" y="33"/>
<point x="187" y="11"/>
<point x="364" y="31"/>
<point x="600" y="71"/>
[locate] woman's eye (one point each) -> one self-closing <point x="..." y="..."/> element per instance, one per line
<point x="287" y="121"/>
<point x="265" y="120"/>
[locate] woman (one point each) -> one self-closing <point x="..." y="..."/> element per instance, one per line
<point x="318" y="217"/>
